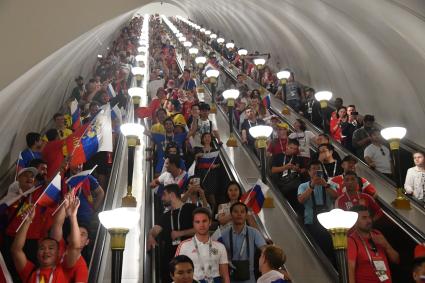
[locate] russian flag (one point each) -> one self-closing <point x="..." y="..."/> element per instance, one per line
<point x="191" y="171"/>
<point x="111" y="91"/>
<point x="254" y="198"/>
<point x="183" y="181"/>
<point x="207" y="159"/>
<point x="52" y="194"/>
<point x="76" y="181"/>
<point x="97" y="137"/>
<point x="266" y="101"/>
<point x="75" y="114"/>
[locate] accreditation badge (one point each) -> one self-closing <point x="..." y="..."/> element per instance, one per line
<point x="381" y="270"/>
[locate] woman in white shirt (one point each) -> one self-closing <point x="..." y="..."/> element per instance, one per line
<point x="304" y="137"/>
<point x="415" y="177"/>
<point x="233" y="194"/>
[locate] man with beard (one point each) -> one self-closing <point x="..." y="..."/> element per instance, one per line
<point x="41" y="166"/>
<point x="173" y="226"/>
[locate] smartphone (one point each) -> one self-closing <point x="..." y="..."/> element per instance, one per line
<point x="319" y="173"/>
<point x="196" y="181"/>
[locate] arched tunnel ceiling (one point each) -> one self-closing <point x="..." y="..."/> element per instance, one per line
<point x="371" y="53"/>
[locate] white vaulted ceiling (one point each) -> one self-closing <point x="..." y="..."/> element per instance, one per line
<point x="371" y="53"/>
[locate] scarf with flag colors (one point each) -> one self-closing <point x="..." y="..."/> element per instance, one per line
<point x="75" y="114"/>
<point x="111" y="91"/>
<point x="52" y="195"/>
<point x="266" y="101"/>
<point x="207" y="159"/>
<point x="254" y="198"/>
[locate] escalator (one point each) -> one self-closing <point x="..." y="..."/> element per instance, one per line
<point x="401" y="234"/>
<point x="289" y="233"/>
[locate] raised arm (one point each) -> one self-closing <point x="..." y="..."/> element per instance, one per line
<point x="18" y="255"/>
<point x="73" y="250"/>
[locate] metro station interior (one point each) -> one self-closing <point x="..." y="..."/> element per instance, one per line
<point x="117" y="115"/>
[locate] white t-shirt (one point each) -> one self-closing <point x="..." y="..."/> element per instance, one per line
<point x="380" y="155"/>
<point x="206" y="262"/>
<point x="415" y="182"/>
<point x="306" y="140"/>
<point x="166" y="178"/>
<point x="271" y="277"/>
<point x="203" y="127"/>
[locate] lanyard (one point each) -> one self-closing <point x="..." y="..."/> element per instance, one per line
<point x="245" y="241"/>
<point x="368" y="253"/>
<point x="50" y="277"/>
<point x="281" y="146"/>
<point x="326" y="170"/>
<point x="251" y="125"/>
<point x="200" y="258"/>
<point x="178" y="219"/>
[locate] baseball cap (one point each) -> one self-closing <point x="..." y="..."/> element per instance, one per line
<point x="28" y="169"/>
<point x="282" y="126"/>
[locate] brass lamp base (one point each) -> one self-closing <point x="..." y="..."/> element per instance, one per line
<point x="268" y="202"/>
<point x="401" y="202"/>
<point x="232" y="142"/>
<point x="132" y="140"/>
<point x="118" y="238"/>
<point x="339" y="238"/>
<point x="285" y="110"/>
<point x="128" y="201"/>
<point x="213" y="108"/>
<point x="136" y="100"/>
<point x="323" y="104"/>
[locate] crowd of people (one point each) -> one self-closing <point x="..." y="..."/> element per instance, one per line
<point x="48" y="215"/>
<point x="202" y="228"/>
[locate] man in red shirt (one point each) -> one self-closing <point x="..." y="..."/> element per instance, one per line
<point x="48" y="269"/>
<point x="349" y="164"/>
<point x="352" y="197"/>
<point x="79" y="272"/>
<point x="369" y="252"/>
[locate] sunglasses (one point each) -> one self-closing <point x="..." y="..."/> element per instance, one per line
<point x="382" y="151"/>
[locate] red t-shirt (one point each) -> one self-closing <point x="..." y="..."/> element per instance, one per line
<point x="277" y="146"/>
<point x="356" y="252"/>
<point x="79" y="272"/>
<point x="30" y="273"/>
<point x="336" y="134"/>
<point x="366" y="187"/>
<point x="346" y="202"/>
<point x="42" y="219"/>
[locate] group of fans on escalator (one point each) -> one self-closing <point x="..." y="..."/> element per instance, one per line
<point x="48" y="215"/>
<point x="313" y="182"/>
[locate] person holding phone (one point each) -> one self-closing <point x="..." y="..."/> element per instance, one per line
<point x="317" y="196"/>
<point x="195" y="194"/>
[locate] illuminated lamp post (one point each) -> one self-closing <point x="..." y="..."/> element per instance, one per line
<point x="230" y="46"/>
<point x="242" y="53"/>
<point x="192" y="53"/>
<point x="323" y="97"/>
<point x="202" y="33"/>
<point x="139" y="73"/>
<point x="283" y="77"/>
<point x="338" y="222"/>
<point x="99" y="56"/>
<point x="131" y="131"/>
<point x="140" y="59"/>
<point x="200" y="63"/>
<point x="141" y="49"/>
<point x="231" y="95"/>
<point x="213" y="36"/>
<point x="136" y="95"/>
<point x="259" y="64"/>
<point x="118" y="222"/>
<point x="261" y="133"/>
<point x="212" y="76"/>
<point x="393" y="135"/>
<point x="207" y="34"/>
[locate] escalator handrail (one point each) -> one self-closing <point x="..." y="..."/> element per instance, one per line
<point x="317" y="130"/>
<point x="232" y="173"/>
<point x="100" y="241"/>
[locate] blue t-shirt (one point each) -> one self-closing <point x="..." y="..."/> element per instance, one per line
<point x="161" y="142"/>
<point x="318" y="195"/>
<point x="26" y="156"/>
<point x="85" y="194"/>
<point x="256" y="241"/>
